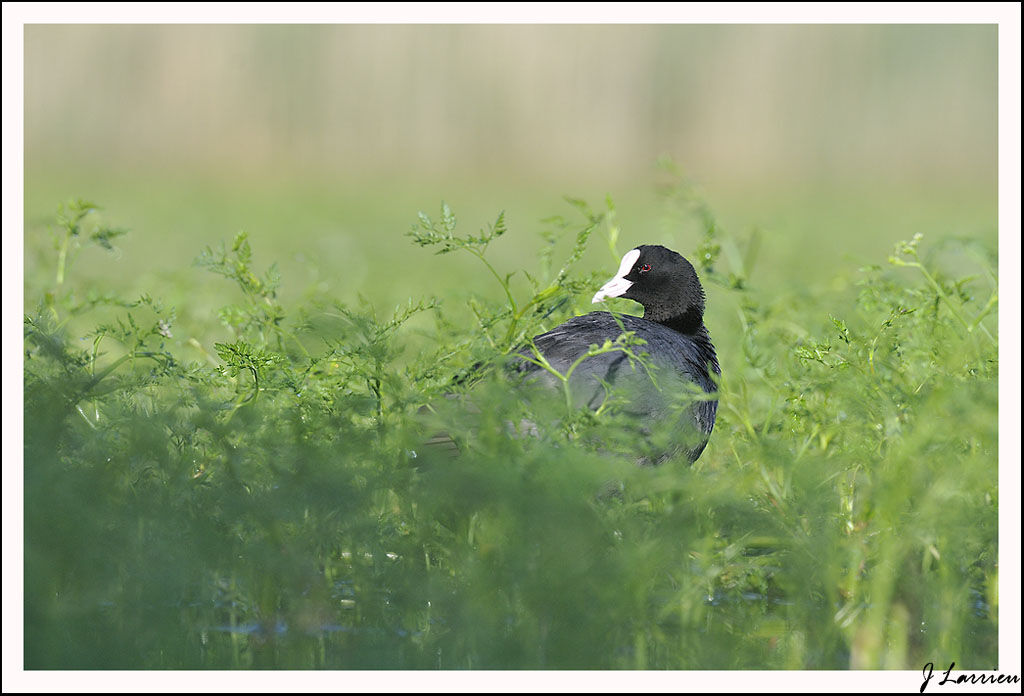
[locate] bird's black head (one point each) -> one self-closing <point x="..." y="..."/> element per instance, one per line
<point x="663" y="282"/>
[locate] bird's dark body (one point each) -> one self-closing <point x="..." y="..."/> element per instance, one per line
<point x="659" y="394"/>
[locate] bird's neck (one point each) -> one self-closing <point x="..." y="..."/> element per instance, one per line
<point x="689" y="322"/>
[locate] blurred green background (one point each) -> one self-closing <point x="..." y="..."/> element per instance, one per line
<point x="322" y="142"/>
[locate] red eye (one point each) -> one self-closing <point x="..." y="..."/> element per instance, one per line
<point x="646" y="267"/>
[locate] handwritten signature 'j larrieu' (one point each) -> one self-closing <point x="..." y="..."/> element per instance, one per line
<point x="927" y="673"/>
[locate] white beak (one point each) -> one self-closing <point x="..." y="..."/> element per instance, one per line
<point x="618" y="285"/>
<point x="615" y="287"/>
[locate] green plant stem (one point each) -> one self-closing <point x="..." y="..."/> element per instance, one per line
<point x="501" y="281"/>
<point x="62" y="258"/>
<point x="949" y="303"/>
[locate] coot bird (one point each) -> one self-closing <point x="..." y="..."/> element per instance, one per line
<point x="669" y="392"/>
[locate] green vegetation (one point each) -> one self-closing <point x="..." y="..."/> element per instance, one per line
<point x="259" y="490"/>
